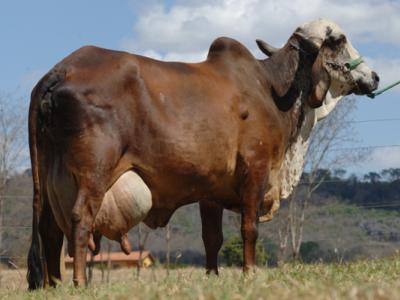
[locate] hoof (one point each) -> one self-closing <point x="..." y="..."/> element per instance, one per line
<point x="212" y="272"/>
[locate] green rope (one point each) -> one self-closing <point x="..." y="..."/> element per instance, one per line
<point x="354" y="63"/>
<point x="377" y="93"/>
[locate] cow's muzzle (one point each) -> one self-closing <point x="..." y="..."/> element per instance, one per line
<point x="366" y="88"/>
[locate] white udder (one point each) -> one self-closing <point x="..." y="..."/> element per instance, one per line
<point x="125" y="205"/>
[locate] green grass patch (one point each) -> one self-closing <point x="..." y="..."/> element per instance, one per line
<point x="368" y="279"/>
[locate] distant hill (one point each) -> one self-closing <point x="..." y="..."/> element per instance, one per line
<point x="347" y="218"/>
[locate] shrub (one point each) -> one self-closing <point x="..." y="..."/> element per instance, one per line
<point x="310" y="252"/>
<point x="233" y="252"/>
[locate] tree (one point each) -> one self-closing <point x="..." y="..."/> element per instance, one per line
<point x="391" y="174"/>
<point x="310" y="252"/>
<point x="326" y="152"/>
<point x="339" y="173"/>
<point x="372" y="177"/>
<point x="143" y="234"/>
<point x="168" y="252"/>
<point x="13" y="144"/>
<point x="283" y="234"/>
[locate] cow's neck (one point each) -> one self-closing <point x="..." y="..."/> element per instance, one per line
<point x="301" y="119"/>
<point x="293" y="164"/>
<point x="291" y="69"/>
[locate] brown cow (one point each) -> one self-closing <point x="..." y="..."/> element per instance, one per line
<point x="107" y="127"/>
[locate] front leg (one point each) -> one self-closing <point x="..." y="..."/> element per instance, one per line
<point x="211" y="222"/>
<point x="251" y="196"/>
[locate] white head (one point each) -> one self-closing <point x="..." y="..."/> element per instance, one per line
<point x="338" y="69"/>
<point x="337" y="56"/>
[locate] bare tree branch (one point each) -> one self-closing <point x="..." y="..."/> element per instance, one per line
<point x="13" y="146"/>
<point x="142" y="245"/>
<point x="324" y="154"/>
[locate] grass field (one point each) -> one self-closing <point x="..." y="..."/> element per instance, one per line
<point x="370" y="279"/>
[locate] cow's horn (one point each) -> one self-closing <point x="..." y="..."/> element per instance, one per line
<point x="266" y="48"/>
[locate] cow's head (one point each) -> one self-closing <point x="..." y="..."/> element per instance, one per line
<point x="337" y="68"/>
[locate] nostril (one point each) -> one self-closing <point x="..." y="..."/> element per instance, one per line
<point x="375" y="76"/>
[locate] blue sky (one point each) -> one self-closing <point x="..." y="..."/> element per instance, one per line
<point x="37" y="34"/>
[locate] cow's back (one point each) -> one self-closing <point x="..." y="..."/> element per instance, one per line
<point x="180" y="126"/>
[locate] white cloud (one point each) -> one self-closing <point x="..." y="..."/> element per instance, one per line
<point x="190" y="26"/>
<point x="185" y="29"/>
<point x="377" y="160"/>
<point x="383" y="158"/>
<point x="186" y="56"/>
<point x="388" y="70"/>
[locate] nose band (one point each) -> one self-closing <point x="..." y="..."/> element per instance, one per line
<point x="354" y="63"/>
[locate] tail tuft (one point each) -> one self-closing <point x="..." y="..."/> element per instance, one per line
<point x="35" y="267"/>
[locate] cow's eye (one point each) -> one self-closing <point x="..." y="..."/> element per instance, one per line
<point x="341" y="39"/>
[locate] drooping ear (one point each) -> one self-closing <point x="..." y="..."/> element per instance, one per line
<point x="321" y="82"/>
<point x="283" y="69"/>
<point x="265" y="48"/>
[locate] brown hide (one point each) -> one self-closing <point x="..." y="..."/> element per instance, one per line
<point x="185" y="128"/>
<point x="214" y="132"/>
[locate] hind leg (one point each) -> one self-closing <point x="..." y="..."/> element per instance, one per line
<point x="95" y="173"/>
<point x="91" y="158"/>
<point x="52" y="239"/>
<point x="85" y="210"/>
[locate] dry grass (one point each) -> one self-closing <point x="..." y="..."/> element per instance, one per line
<point x="372" y="279"/>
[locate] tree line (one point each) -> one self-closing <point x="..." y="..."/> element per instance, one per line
<point x="380" y="190"/>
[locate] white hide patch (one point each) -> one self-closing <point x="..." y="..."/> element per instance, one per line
<point x="293" y="164"/>
<point x="317" y="29"/>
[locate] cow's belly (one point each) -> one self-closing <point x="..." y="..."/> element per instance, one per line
<point x="172" y="190"/>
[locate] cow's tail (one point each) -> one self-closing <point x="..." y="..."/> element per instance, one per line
<point x="35" y="265"/>
<point x="40" y="98"/>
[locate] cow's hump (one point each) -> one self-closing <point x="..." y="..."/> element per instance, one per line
<point x="225" y="47"/>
